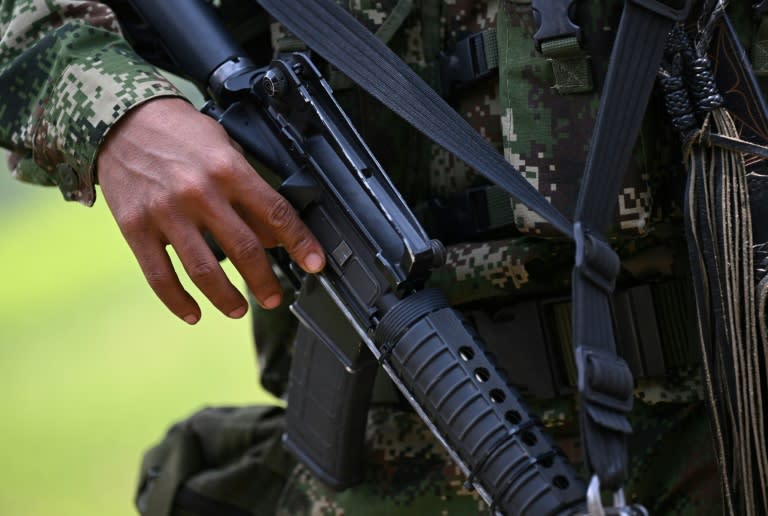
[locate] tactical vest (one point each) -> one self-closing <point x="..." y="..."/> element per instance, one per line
<point x="527" y="110"/>
<point x="537" y="105"/>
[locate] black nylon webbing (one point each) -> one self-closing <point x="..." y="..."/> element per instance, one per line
<point x="635" y="60"/>
<point x="332" y="32"/>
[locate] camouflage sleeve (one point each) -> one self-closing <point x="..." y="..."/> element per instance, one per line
<point x="66" y="76"/>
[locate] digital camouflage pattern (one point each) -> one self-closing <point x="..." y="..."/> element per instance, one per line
<point x="232" y="458"/>
<point x="479" y="103"/>
<point x="409" y="473"/>
<point x="544" y="134"/>
<point x="67" y="76"/>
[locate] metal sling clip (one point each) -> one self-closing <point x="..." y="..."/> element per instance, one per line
<point x="620" y="508"/>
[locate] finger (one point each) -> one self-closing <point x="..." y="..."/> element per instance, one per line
<point x="278" y="218"/>
<point x="245" y="250"/>
<point x="162" y="278"/>
<point x="205" y="272"/>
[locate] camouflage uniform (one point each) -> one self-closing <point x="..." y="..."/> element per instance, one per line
<point x="67" y="76"/>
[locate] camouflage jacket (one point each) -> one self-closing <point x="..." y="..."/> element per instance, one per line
<point x="66" y="76"/>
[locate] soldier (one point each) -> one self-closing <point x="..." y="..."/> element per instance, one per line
<point x="81" y="107"/>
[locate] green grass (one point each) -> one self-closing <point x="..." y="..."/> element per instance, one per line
<point x="93" y="369"/>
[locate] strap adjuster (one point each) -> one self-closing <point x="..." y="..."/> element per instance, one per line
<point x="606" y="389"/>
<point x="595" y="260"/>
<point x="474" y="57"/>
<point x="605" y="379"/>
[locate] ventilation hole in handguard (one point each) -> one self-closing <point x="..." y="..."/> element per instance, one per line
<point x="466" y="353"/>
<point x="513" y="417"/>
<point x="498" y="396"/>
<point x="560" y="482"/>
<point x="529" y="438"/>
<point x="482" y="374"/>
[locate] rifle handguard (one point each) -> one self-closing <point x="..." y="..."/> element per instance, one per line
<point x="468" y="400"/>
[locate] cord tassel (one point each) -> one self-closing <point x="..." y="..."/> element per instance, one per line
<point x="731" y="311"/>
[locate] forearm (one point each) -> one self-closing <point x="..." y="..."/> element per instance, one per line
<point x="66" y="77"/>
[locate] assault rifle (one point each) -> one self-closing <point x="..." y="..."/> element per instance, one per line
<point x="369" y="307"/>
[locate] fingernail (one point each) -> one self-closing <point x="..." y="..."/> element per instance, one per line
<point x="272" y="302"/>
<point x="191" y="319"/>
<point x="313" y="262"/>
<point x="237" y="313"/>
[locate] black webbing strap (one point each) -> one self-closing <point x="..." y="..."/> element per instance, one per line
<point x="605" y="381"/>
<point x="332" y="33"/>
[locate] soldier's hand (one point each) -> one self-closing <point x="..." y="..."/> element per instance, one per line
<point x="169" y="173"/>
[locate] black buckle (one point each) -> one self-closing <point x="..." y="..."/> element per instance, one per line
<point x="466" y="64"/>
<point x="604" y="379"/>
<point x="595" y="259"/>
<point x="553" y="19"/>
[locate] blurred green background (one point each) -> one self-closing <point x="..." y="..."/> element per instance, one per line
<point x="93" y="369"/>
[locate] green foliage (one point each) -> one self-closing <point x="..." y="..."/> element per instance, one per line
<point x="93" y="368"/>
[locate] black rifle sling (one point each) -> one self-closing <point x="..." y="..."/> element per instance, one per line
<point x="605" y="381"/>
<point x="340" y="39"/>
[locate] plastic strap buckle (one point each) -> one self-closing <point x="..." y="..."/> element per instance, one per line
<point x="595" y="260"/>
<point x="553" y="18"/>
<point x="471" y="60"/>
<point x="558" y="38"/>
